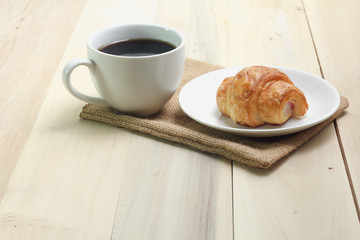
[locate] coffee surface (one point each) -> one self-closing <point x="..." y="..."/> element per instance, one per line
<point x="137" y="47"/>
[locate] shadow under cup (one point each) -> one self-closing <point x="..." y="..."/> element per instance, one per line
<point x="136" y="85"/>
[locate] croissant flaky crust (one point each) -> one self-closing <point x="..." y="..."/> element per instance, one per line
<point x="258" y="95"/>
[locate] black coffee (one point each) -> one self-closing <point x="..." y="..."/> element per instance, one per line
<point x="137" y="47"/>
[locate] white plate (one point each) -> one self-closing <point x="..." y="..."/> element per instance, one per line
<point x="198" y="100"/>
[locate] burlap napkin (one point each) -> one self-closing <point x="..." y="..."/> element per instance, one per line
<point x="174" y="125"/>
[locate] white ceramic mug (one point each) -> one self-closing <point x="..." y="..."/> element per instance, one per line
<point x="135" y="85"/>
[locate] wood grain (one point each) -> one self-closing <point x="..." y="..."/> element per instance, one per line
<point x="307" y="194"/>
<point x="86" y="174"/>
<point x="32" y="39"/>
<point x="175" y="193"/>
<point x="337" y="36"/>
<point x="67" y="178"/>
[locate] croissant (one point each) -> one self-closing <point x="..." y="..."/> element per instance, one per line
<point x="258" y="95"/>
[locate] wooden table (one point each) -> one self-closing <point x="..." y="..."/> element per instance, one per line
<point x="65" y="178"/>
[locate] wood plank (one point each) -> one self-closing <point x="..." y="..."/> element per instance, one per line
<point x="87" y="174"/>
<point x="307" y="195"/>
<point x="192" y="196"/>
<point x="33" y="38"/>
<point x="336" y="34"/>
<point x="174" y="193"/>
<point x="75" y="177"/>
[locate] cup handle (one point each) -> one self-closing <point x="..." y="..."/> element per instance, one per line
<point x="69" y="67"/>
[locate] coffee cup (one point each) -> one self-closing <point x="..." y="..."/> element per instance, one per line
<point x="135" y="68"/>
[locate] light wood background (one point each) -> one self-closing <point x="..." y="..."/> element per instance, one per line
<point x="65" y="178"/>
